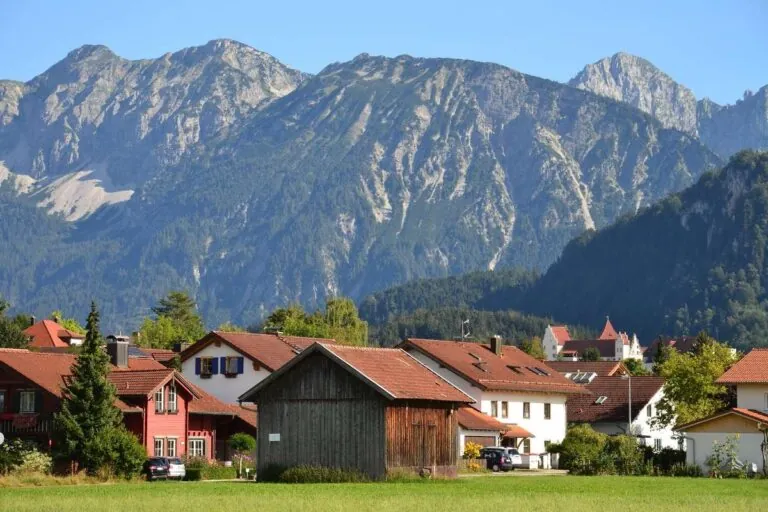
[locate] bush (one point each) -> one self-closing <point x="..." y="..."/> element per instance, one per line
<point x="12" y="454"/>
<point x="687" y="470"/>
<point x="472" y="450"/>
<point x="35" y="462"/>
<point x="193" y="475"/>
<point x="626" y="454"/>
<point x="581" y="451"/>
<point x="666" y="459"/>
<point x="320" y="474"/>
<point x="120" y="453"/>
<point x="210" y="470"/>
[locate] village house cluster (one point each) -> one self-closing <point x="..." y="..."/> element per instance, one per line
<point x="412" y="407"/>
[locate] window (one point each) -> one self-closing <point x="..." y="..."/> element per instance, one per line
<point x="197" y="447"/>
<point x="649" y="410"/>
<point x="526" y="409"/>
<point x="159" y="405"/>
<point x="159" y="442"/>
<point x="547" y="411"/>
<point x="515" y="369"/>
<point x="26" y="401"/>
<point x="601" y="399"/>
<point x="505" y="409"/>
<point x="527" y="446"/>
<point x="172" y="398"/>
<point x="171" y="447"/>
<point x="231" y="365"/>
<point x="494" y="408"/>
<point x="206" y="366"/>
<point x="657" y="445"/>
<point x="2" y="401"/>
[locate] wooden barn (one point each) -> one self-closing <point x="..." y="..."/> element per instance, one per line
<point x="369" y="409"/>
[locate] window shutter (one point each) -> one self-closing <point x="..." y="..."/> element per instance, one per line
<point x="223" y="364"/>
<point x="215" y="366"/>
<point x="38" y="401"/>
<point x="240" y="366"/>
<point x="16" y="402"/>
<point x="197" y="366"/>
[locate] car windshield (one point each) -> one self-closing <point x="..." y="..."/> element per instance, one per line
<point x="175" y="461"/>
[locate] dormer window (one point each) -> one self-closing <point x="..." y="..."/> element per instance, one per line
<point x="515" y="369"/>
<point x="601" y="399"/>
<point x="159" y="403"/>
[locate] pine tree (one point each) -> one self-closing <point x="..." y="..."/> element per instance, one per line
<point x="88" y="411"/>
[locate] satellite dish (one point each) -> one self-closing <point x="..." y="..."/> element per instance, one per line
<point x="2" y="438"/>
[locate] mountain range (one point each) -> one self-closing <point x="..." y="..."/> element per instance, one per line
<point x="219" y="170"/>
<point x="691" y="262"/>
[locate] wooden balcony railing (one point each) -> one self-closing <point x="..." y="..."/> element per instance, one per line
<point x="26" y="424"/>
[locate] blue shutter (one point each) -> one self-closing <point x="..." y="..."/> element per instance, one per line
<point x="223" y="364"/>
<point x="197" y="366"/>
<point x="215" y="366"/>
<point x="239" y="365"/>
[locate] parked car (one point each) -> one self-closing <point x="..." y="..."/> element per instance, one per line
<point x="176" y="468"/>
<point x="156" y="468"/>
<point x="496" y="459"/>
<point x="514" y="456"/>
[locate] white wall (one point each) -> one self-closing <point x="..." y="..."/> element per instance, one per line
<point x="545" y="430"/>
<point x="550" y="345"/>
<point x="752" y="396"/>
<point x="226" y="389"/>
<point x="700" y="448"/>
<point x="641" y="426"/>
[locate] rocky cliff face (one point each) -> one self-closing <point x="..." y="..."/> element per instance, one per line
<point x="373" y="172"/>
<point x="637" y="82"/>
<point x="95" y="126"/>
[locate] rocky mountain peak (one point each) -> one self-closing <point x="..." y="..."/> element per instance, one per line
<point x="634" y="80"/>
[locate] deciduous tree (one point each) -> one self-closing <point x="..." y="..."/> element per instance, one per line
<point x="533" y="347"/>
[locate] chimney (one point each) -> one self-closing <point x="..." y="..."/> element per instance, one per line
<point x="118" y="351"/>
<point x="496" y="344"/>
<point x="32" y="320"/>
<point x="181" y="346"/>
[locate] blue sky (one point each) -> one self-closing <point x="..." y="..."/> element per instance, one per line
<point x="717" y="48"/>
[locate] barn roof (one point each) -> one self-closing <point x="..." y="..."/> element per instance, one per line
<point x="391" y="371"/>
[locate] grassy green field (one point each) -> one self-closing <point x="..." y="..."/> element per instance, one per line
<point x="486" y="493"/>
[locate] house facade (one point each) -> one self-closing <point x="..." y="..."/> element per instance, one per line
<point x="167" y="414"/>
<point x="611" y="344"/>
<point x="521" y="392"/>
<point x="610" y="410"/>
<point x="478" y="428"/>
<point x="226" y="364"/>
<point x="374" y="410"/>
<point x="747" y="422"/>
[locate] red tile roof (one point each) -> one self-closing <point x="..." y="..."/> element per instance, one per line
<point x="750" y="414"/>
<point x="561" y="333"/>
<point x="751" y="369"/>
<point x="159" y="354"/>
<point x="615" y="408"/>
<point x="269" y="350"/>
<point x="47" y="333"/>
<point x="516" y="432"/>
<point x="398" y="373"/>
<point x="140" y="383"/>
<point x="601" y="368"/>
<point x="391" y="371"/>
<point x="609" y="333"/>
<point x="472" y="419"/>
<point x="513" y="371"/>
<point x="210" y="405"/>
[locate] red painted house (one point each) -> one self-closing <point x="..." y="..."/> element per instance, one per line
<point x="169" y="416"/>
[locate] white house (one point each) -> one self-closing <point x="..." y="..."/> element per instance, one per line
<point x="507" y="384"/>
<point x="609" y="409"/>
<point x="748" y="421"/>
<point x="612" y="345"/>
<point x="478" y="428"/>
<point x="226" y="364"/>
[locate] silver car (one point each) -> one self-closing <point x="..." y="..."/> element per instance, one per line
<point x="176" y="468"/>
<point x="513" y="454"/>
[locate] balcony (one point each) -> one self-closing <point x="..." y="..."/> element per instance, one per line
<point x="25" y="424"/>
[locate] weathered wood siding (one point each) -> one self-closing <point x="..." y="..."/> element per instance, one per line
<point x="325" y="416"/>
<point x="422" y="435"/>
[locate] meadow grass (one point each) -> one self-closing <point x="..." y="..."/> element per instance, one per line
<point x="539" y="494"/>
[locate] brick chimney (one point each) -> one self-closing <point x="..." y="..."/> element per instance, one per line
<point x="496" y="344"/>
<point x="117" y="349"/>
